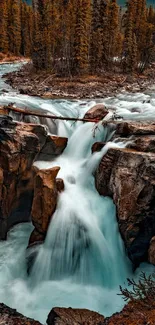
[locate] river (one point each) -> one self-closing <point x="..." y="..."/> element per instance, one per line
<point x="83" y="260"/>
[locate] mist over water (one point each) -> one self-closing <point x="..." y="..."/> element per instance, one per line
<point x="83" y="260"/>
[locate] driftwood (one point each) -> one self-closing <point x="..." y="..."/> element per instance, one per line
<point x="54" y="117"/>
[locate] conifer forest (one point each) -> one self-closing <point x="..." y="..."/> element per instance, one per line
<point x="79" y="36"/>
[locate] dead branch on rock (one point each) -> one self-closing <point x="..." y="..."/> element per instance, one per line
<point x="54" y="117"/>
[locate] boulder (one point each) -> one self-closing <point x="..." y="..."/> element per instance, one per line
<point x="128" y="176"/>
<point x="128" y="128"/>
<point x="98" y="112"/>
<point x="10" y="316"/>
<point x="45" y="198"/>
<point x="144" y="143"/>
<point x="69" y="316"/>
<point x="53" y="147"/>
<point x="151" y="253"/>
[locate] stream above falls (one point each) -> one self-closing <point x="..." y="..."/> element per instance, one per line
<point x="83" y="260"/>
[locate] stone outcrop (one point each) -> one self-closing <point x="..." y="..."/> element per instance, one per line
<point x="44" y="202"/>
<point x="10" y="316"/>
<point x="20" y="145"/>
<point x="128" y="176"/>
<point x="69" y="316"/>
<point x="53" y="147"/>
<point x="98" y="112"/>
<point x="134" y="313"/>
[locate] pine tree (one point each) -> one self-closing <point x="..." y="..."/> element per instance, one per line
<point x="130" y="41"/>
<point x="26" y="29"/>
<point x="3" y="26"/>
<point x="113" y="30"/>
<point x="82" y="37"/>
<point x="104" y="23"/>
<point x="96" y="38"/>
<point x="42" y="36"/>
<point x="14" y="26"/>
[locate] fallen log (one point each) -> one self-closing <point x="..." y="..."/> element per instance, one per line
<point x="54" y="117"/>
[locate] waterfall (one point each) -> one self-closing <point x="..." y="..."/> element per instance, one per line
<point x="83" y="240"/>
<point x="83" y="260"/>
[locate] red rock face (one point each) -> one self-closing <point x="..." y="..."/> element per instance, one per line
<point x="98" y="112"/>
<point x="128" y="176"/>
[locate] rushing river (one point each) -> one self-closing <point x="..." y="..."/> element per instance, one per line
<point x="83" y="260"/>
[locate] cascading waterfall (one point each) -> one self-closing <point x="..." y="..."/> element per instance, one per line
<point x="83" y="261"/>
<point x="83" y="240"/>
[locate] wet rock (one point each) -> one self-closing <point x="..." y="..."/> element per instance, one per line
<point x="60" y="185"/>
<point x="45" y="198"/>
<point x="53" y="147"/>
<point x="36" y="238"/>
<point x="144" y="143"/>
<point x="128" y="176"/>
<point x="9" y="316"/>
<point x="97" y="146"/>
<point x="135" y="128"/>
<point x="151" y="253"/>
<point x="69" y="316"/>
<point x="98" y="111"/>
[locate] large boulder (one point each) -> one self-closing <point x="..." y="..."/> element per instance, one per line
<point x="99" y="111"/>
<point x="69" y="316"/>
<point x="9" y="316"/>
<point x="128" y="176"/>
<point x="44" y="202"/>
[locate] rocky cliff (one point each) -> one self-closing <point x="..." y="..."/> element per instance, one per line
<point x="23" y="188"/>
<point x="128" y="176"/>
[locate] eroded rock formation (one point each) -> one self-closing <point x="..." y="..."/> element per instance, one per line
<point x="20" y="145"/>
<point x="128" y="176"/>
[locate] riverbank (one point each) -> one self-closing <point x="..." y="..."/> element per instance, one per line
<point x="48" y="85"/>
<point x="10" y="58"/>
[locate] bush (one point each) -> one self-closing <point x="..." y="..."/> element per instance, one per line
<point x="142" y="291"/>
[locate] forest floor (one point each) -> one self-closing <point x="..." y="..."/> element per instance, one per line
<point x="48" y="85"/>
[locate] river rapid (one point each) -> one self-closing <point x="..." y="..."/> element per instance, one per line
<point x="83" y="261"/>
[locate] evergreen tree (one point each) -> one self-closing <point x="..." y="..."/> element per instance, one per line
<point x="4" y="45"/>
<point x="82" y="36"/>
<point x="130" y="41"/>
<point x="96" y="38"/>
<point x="14" y="26"/>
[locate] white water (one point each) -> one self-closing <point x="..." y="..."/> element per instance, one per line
<point x="82" y="262"/>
